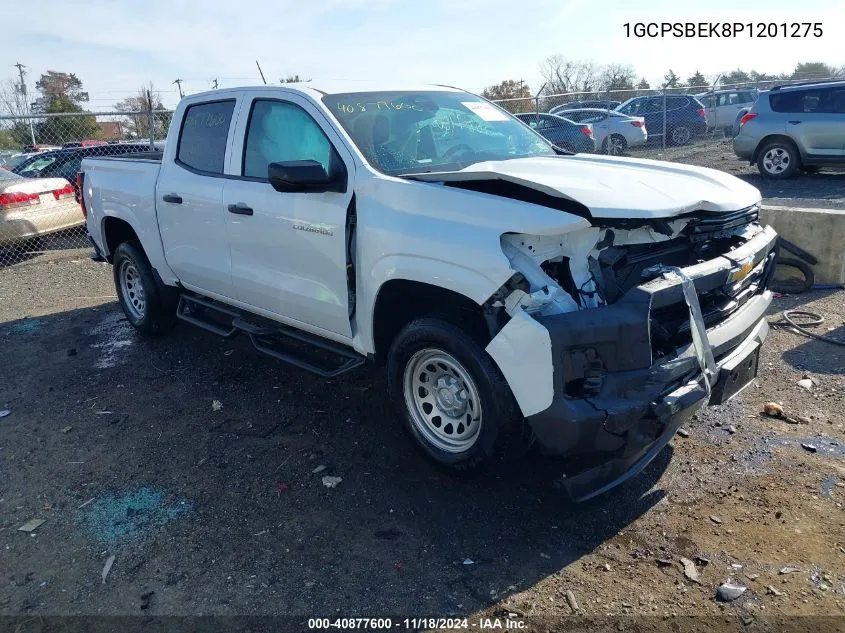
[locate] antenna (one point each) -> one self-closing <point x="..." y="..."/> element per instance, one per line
<point x="178" y="82"/>
<point x="261" y="72"/>
<point x="214" y="84"/>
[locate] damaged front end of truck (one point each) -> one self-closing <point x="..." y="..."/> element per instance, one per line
<point x="613" y="336"/>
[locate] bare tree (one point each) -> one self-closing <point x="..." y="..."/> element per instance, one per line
<point x="564" y="75"/>
<point x="137" y="122"/>
<point x="13" y="99"/>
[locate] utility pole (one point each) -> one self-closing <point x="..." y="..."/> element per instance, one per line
<point x="20" y="68"/>
<point x="214" y="84"/>
<point x="178" y="83"/>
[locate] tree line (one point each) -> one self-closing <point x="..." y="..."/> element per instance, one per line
<point x="587" y="79"/>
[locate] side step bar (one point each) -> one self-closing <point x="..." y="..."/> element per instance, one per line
<point x="269" y="337"/>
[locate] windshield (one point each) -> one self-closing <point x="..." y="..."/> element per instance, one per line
<point x="33" y="169"/>
<point x="416" y="132"/>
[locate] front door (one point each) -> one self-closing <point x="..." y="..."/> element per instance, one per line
<point x="189" y="200"/>
<point x="289" y="250"/>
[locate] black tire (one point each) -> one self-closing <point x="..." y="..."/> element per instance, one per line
<point x="159" y="312"/>
<point x="504" y="433"/>
<point x="680" y="135"/>
<point x="792" y="286"/>
<point x="787" y="164"/>
<point x="620" y="141"/>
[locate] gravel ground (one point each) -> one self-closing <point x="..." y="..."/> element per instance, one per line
<point x="117" y="444"/>
<point x="825" y="189"/>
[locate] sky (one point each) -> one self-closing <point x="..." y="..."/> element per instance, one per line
<point x="114" y="46"/>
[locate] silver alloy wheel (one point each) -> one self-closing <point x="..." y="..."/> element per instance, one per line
<point x="442" y="400"/>
<point x="615" y="145"/>
<point x="681" y="135"/>
<point x="132" y="290"/>
<point x="776" y="160"/>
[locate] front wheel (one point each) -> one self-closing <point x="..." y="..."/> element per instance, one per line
<point x="452" y="399"/>
<point x="148" y="306"/>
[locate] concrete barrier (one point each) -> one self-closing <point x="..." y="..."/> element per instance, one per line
<point x="818" y="231"/>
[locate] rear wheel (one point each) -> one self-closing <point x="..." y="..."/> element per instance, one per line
<point x="778" y="160"/>
<point x="680" y="135"/>
<point x="148" y="305"/>
<point x="452" y="399"/>
<point x="615" y="145"/>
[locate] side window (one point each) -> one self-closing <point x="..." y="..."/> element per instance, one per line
<point x="202" y="141"/>
<point x="747" y="97"/>
<point x="279" y="132"/>
<point x="654" y="104"/>
<point x="796" y="101"/>
<point x="629" y="108"/>
<point x="833" y="101"/>
<point x="675" y="103"/>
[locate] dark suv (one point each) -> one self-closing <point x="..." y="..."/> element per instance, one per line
<point x="683" y="116"/>
<point x="791" y="128"/>
<point x="64" y="163"/>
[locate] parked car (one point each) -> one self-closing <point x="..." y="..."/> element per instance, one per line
<point x="792" y="128"/>
<point x="41" y="147"/>
<point x="682" y="115"/>
<point x="32" y="207"/>
<point x="566" y="134"/>
<point x="65" y="163"/>
<point x="429" y="229"/>
<point x="614" y="132"/>
<point x="580" y="105"/>
<point x="14" y="160"/>
<point x="721" y="106"/>
<point x="89" y="143"/>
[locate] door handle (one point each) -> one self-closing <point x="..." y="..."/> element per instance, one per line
<point x="240" y="209"/>
<point x="172" y="198"/>
<point x="794" y="122"/>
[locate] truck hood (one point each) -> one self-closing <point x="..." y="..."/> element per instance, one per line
<point x="615" y="188"/>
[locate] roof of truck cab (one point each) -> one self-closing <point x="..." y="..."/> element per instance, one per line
<point x="318" y="89"/>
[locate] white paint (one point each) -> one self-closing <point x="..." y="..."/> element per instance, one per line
<point x="614" y="187"/>
<point x="523" y="352"/>
<point x="486" y="111"/>
<point x="115" y="336"/>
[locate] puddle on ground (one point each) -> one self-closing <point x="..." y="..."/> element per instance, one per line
<point x="117" y="517"/>
<point x="28" y="326"/>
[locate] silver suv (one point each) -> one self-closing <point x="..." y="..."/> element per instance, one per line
<point x="791" y="128"/>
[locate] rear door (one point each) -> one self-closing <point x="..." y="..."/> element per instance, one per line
<point x="189" y="199"/>
<point x="812" y="121"/>
<point x="289" y="250"/>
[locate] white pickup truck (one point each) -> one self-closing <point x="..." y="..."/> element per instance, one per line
<point x="516" y="293"/>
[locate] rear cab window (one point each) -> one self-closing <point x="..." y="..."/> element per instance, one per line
<point x="204" y="135"/>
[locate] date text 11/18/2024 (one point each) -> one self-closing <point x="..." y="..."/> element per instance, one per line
<point x="416" y="624"/>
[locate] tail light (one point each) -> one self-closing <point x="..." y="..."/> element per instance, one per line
<point x="64" y="192"/>
<point x="637" y="123"/>
<point x="702" y="113"/>
<point x="587" y="131"/>
<point x="746" y="118"/>
<point x="14" y="200"/>
<point x="80" y="197"/>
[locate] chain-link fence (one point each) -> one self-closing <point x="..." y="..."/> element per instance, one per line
<point x="40" y="156"/>
<point x="687" y="124"/>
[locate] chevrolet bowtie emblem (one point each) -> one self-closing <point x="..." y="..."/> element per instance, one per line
<point x="742" y="272"/>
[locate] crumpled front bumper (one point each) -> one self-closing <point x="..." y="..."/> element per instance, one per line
<point x="616" y="402"/>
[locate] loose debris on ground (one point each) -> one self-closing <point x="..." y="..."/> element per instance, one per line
<point x="233" y="518"/>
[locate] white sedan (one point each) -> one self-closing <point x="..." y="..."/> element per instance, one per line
<point x="30" y="207"/>
<point x="614" y="132"/>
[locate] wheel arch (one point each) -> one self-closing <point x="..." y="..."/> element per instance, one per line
<point x="400" y="301"/>
<point x="783" y="138"/>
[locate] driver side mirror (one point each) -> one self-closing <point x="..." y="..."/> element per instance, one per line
<point x="305" y="176"/>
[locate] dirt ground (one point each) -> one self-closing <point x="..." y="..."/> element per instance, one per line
<point x="117" y="444"/>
